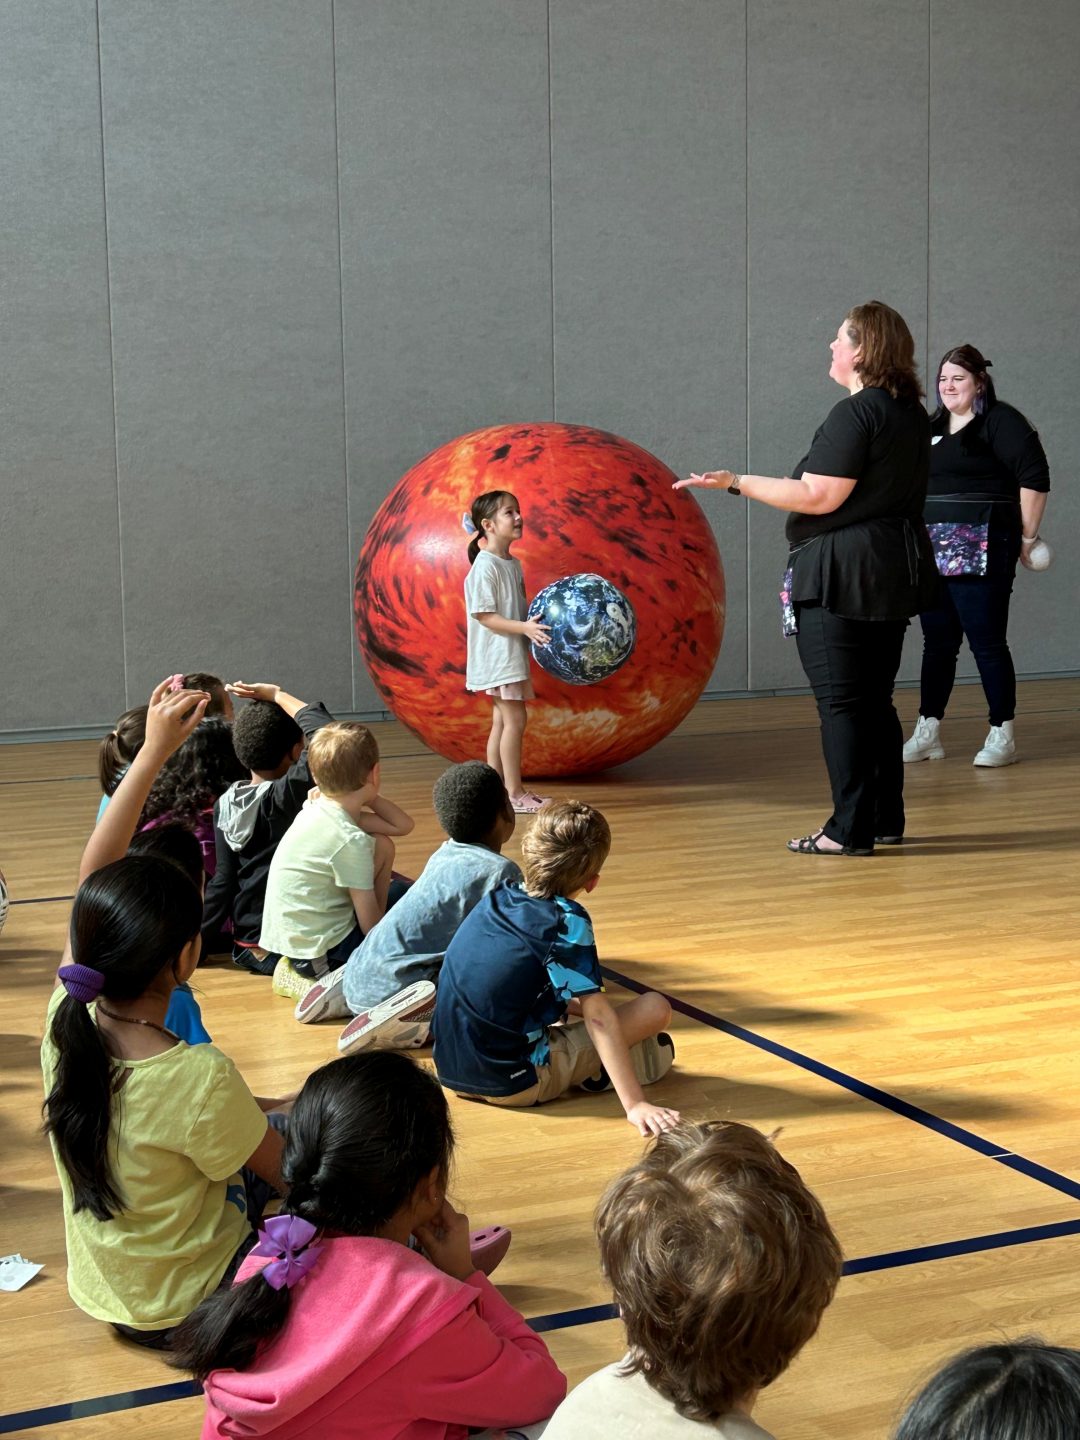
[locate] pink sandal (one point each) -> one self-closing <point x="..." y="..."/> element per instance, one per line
<point x="488" y="1247"/>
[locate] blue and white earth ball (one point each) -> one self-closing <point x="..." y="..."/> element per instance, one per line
<point x="593" y="629"/>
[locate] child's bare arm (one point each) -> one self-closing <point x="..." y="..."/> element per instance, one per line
<point x="606" y="1034"/>
<point x="366" y="908"/>
<point x="533" y="630"/>
<point x="261" y="690"/>
<point x="168" y="725"/>
<point x="383" y="817"/>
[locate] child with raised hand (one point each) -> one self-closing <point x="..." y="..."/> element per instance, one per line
<point x="523" y="961"/>
<point x="387" y="985"/>
<point x="189" y="783"/>
<point x="330" y="876"/>
<point x="336" y="1327"/>
<point x="159" y="1196"/>
<point x="722" y="1263"/>
<point x="252" y="816"/>
<point x="497" y="632"/>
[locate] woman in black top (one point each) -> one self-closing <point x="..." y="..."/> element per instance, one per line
<point x="988" y="485"/>
<point x="860" y="565"/>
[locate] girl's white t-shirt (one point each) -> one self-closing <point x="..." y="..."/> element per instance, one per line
<point x="495" y="586"/>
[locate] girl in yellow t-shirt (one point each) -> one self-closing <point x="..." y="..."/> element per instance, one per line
<point x="164" y="1155"/>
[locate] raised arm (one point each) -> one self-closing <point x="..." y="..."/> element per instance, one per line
<point x="812" y="495"/>
<point x="170" y="718"/>
<point x="261" y="690"/>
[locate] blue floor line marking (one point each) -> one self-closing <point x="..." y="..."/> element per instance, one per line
<point x="545" y="1324"/>
<point x="1020" y="1163"/>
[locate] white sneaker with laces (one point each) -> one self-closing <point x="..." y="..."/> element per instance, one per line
<point x="324" y="1001"/>
<point x="925" y="742"/>
<point x="999" y="747"/>
<point x="401" y="1023"/>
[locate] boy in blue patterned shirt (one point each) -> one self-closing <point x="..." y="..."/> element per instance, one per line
<point x="521" y="1016"/>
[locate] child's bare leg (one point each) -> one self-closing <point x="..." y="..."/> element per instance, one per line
<point x="494" y="759"/>
<point x="384" y="864"/>
<point x="513" y="728"/>
<point x="643" y="1016"/>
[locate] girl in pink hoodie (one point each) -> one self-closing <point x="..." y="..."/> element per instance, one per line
<point x="336" y="1328"/>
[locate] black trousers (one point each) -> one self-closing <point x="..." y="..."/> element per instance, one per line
<point x="978" y="608"/>
<point x="852" y="665"/>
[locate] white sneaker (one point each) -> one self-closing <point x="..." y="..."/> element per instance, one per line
<point x="999" y="747"/>
<point x="925" y="742"/>
<point x="324" y="1001"/>
<point x="401" y="1023"/>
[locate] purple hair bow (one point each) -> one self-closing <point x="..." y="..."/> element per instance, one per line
<point x="288" y="1239"/>
<point x="82" y="982"/>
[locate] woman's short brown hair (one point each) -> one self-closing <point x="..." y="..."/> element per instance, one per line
<point x="566" y="845"/>
<point x="721" y="1262"/>
<point x="341" y="757"/>
<point x="887" y="356"/>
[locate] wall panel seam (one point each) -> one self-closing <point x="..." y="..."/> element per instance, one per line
<point x="551" y="212"/>
<point x="341" y="315"/>
<point x="112" y="357"/>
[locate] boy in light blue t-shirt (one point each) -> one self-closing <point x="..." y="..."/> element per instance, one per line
<point x="388" y="983"/>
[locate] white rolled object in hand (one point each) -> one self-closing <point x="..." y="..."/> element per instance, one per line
<point x="1038" y="556"/>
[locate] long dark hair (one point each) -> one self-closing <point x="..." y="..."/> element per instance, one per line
<point x="888" y="349"/>
<point x="130" y="920"/>
<point x="485" y="507"/>
<point x="176" y="844"/>
<point x="192" y="779"/>
<point x="977" y="365"/>
<point x="120" y="747"/>
<point x="1026" y="1390"/>
<point x="364" y="1132"/>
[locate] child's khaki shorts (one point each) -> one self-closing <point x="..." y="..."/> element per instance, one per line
<point x="573" y="1058"/>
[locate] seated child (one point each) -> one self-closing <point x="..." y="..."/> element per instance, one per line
<point x="172" y="842"/>
<point x="335" y="1326"/>
<point x="330" y="875"/>
<point x="190" y="782"/>
<point x="523" y="960"/>
<point x="402" y="956"/>
<point x="721" y="1262"/>
<point x="1015" y="1390"/>
<point x="121" y="745"/>
<point x="254" y="813"/>
<point x="158" y="1209"/>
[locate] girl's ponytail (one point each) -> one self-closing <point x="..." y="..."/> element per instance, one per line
<point x="120" y="747"/>
<point x="227" y="1329"/>
<point x="130" y="920"/>
<point x="364" y="1133"/>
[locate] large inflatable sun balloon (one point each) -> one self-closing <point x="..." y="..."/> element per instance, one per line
<point x="592" y="503"/>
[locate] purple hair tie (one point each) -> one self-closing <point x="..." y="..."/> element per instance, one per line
<point x="288" y="1239"/>
<point x="82" y="982"/>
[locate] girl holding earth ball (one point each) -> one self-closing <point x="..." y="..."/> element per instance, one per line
<point x="498" y="655"/>
<point x="860" y="565"/>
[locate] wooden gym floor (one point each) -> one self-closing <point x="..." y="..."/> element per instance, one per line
<point x="909" y="1020"/>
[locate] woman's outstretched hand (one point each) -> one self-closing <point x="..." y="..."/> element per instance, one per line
<point x="710" y="480"/>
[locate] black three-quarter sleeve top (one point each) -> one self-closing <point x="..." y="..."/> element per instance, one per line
<point x="870" y="559"/>
<point x="977" y="474"/>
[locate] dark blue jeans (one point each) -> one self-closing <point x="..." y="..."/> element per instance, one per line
<point x="852" y="665"/>
<point x="978" y="608"/>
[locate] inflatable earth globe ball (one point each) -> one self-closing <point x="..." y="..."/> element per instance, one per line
<point x="593" y="629"/>
<point x="592" y="502"/>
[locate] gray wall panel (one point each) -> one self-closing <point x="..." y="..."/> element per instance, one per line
<point x="445" y="216"/>
<point x="59" y="547"/>
<point x="222" y="203"/>
<point x="1004" y="236"/>
<point x="648" y="146"/>
<point x="837" y="198"/>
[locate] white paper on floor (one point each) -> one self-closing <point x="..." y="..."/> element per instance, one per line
<point x="15" y="1271"/>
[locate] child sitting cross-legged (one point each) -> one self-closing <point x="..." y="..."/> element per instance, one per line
<point x="387" y="985"/>
<point x="338" y="1326"/>
<point x="330" y="876"/>
<point x="722" y="1263"/>
<point x="523" y="961"/>
<point x="251" y="817"/>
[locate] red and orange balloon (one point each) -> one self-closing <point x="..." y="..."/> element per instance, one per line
<point x="591" y="502"/>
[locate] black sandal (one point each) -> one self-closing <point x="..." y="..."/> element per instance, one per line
<point x="808" y="846"/>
